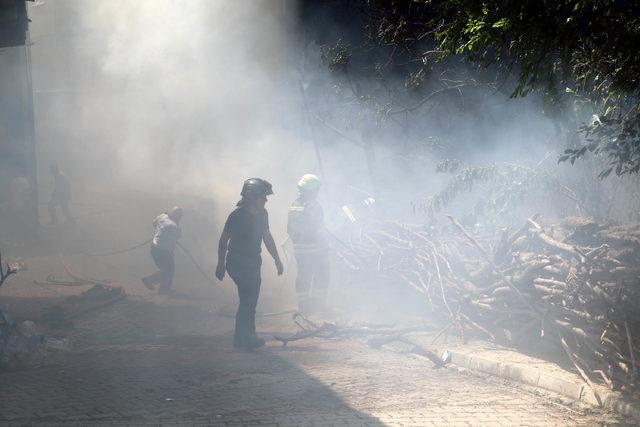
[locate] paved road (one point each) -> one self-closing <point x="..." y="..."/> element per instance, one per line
<point x="142" y="363"/>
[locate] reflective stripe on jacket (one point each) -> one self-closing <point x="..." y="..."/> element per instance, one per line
<point x="304" y="225"/>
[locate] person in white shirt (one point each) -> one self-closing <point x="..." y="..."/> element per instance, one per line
<point x="165" y="238"/>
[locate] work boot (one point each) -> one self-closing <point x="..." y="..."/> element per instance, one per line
<point x="253" y="342"/>
<point x="148" y="284"/>
<point x="249" y="342"/>
<point x="237" y="341"/>
<point x="303" y="305"/>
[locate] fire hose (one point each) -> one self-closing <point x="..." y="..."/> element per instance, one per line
<point x="195" y="263"/>
<point x="121" y="251"/>
<point x="132" y="248"/>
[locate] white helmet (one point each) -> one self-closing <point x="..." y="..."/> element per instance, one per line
<point x="309" y="182"/>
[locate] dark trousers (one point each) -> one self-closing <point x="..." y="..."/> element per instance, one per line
<point x="64" y="205"/>
<point x="246" y="276"/>
<point x="313" y="272"/>
<point x="165" y="261"/>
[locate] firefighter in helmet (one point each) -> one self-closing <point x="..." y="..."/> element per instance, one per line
<point x="305" y="227"/>
<point x="239" y="255"/>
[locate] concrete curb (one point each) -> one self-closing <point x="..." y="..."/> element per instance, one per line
<point x="577" y="391"/>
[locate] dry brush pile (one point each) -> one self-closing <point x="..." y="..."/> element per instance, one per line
<point x="573" y="285"/>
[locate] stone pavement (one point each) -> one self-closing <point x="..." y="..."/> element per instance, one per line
<point x="536" y="367"/>
<point x="143" y="362"/>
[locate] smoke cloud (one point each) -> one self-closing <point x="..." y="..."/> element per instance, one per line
<point x="184" y="100"/>
<point x="166" y="96"/>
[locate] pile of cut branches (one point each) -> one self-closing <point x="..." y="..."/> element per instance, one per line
<point x="574" y="285"/>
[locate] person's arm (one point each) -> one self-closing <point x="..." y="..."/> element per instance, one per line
<point x="222" y="254"/>
<point x="271" y="247"/>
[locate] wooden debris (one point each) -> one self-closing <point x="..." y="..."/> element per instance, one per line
<point x="4" y="274"/>
<point x="529" y="279"/>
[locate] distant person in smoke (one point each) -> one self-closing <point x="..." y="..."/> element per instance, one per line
<point x="305" y="227"/>
<point x="20" y="210"/>
<point x="166" y="235"/>
<point x="60" y="196"/>
<point x="20" y="195"/>
<point x="239" y="254"/>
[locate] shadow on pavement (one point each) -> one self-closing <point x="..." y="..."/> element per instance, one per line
<point x="135" y="366"/>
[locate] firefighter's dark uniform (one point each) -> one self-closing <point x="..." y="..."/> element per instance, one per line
<point x="310" y="248"/>
<point x="243" y="265"/>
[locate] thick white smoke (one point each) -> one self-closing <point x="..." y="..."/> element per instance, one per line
<point x="166" y="96"/>
<point x="171" y="100"/>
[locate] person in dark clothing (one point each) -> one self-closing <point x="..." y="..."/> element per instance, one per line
<point x="239" y="251"/>
<point x="166" y="235"/>
<point x="60" y="196"/>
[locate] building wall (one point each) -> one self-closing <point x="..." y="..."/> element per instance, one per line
<point x="18" y="179"/>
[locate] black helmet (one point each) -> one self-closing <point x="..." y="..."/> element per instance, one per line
<point x="256" y="187"/>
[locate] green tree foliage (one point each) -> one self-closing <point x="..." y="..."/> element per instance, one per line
<point x="583" y="52"/>
<point x="502" y="191"/>
<point x="582" y="56"/>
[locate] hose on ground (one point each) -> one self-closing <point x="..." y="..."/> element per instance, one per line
<point x="132" y="248"/>
<point x="195" y="263"/>
<point x="121" y="251"/>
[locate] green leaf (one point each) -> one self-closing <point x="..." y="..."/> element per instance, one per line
<point x="501" y="23"/>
